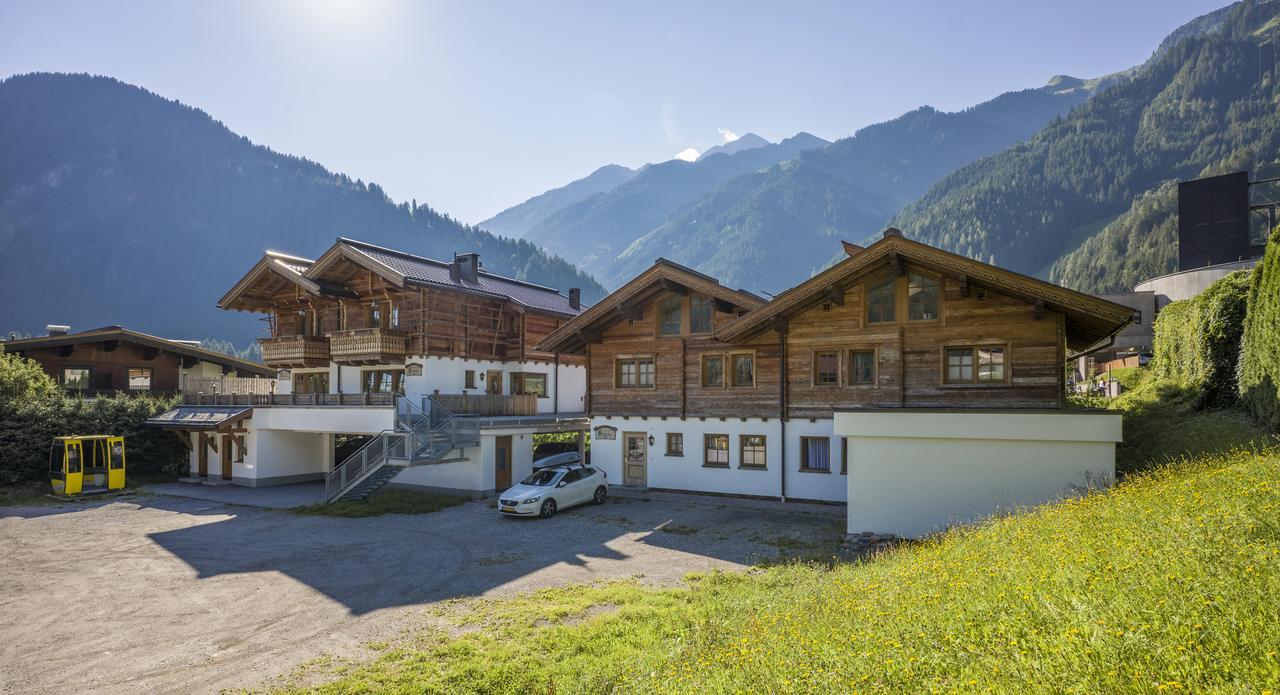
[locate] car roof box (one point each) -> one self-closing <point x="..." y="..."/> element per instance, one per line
<point x="564" y="459"/>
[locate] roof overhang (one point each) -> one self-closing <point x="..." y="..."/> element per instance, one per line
<point x="116" y="333"/>
<point x="663" y="277"/>
<point x="1090" y="320"/>
<point x="201" y="418"/>
<point x="341" y="251"/>
<point x="271" y="266"/>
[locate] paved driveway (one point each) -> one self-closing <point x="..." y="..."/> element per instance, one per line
<point x="164" y="594"/>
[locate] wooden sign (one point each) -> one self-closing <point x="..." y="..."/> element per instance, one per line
<point x="606" y="432"/>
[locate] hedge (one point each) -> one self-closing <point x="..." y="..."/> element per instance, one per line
<point x="1259" y="375"/>
<point x="32" y="413"/>
<point x="1197" y="341"/>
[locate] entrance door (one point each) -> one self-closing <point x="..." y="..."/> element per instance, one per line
<point x="502" y="462"/>
<point x="204" y="455"/>
<point x="75" y="469"/>
<point x="635" y="458"/>
<point x="493" y="383"/>
<point x="225" y="450"/>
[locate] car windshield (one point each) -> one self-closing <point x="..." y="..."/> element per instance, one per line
<point x="541" y="478"/>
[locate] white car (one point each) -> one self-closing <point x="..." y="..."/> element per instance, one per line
<point x="550" y="489"/>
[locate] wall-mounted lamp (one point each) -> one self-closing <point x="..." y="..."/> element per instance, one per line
<point x="651" y="440"/>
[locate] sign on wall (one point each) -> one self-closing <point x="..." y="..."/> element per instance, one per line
<point x="606" y="432"/>
<point x="413" y="369"/>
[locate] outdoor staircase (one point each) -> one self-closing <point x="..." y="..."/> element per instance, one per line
<point x="422" y="436"/>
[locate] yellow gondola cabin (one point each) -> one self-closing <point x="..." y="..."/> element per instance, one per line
<point x="84" y="464"/>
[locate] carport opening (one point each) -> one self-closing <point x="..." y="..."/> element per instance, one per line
<point x="345" y="445"/>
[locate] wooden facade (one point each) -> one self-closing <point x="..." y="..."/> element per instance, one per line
<point x="880" y="337"/>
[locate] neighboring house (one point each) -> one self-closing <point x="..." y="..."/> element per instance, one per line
<point x="111" y="358"/>
<point x="434" y="361"/>
<point x="919" y="386"/>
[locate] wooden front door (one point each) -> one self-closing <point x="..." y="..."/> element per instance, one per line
<point x="226" y="457"/>
<point x="493" y="383"/>
<point x="203" y="445"/>
<point x="635" y="458"/>
<point x="502" y="462"/>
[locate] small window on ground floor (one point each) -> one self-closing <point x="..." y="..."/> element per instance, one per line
<point x="716" y="450"/>
<point x="383" y="381"/>
<point x="469" y="379"/>
<point x="140" y="379"/>
<point x="753" y="451"/>
<point x="525" y="383"/>
<point x="75" y="378"/>
<point x="815" y="454"/>
<point x="844" y="456"/>
<point x="675" y="444"/>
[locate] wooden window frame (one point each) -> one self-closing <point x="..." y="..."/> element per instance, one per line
<point x="906" y="292"/>
<point x="813" y="371"/>
<point x="731" y="376"/>
<point x="469" y="379"/>
<point x="866" y="300"/>
<point x="742" y="451"/>
<point x="658" y="316"/>
<point x="804" y="455"/>
<point x="670" y="451"/>
<point x="706" y="439"/>
<point x="128" y="377"/>
<point x="397" y="380"/>
<point x="724" y="371"/>
<point x="636" y="359"/>
<point x="711" y="316"/>
<point x="517" y="384"/>
<point x="88" y="376"/>
<point x="875" y="367"/>
<point x="974" y="383"/>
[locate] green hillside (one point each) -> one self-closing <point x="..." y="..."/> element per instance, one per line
<point x="1206" y="104"/>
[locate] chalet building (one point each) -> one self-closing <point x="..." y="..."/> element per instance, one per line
<point x="111" y="358"/>
<point x="918" y="386"/>
<point x="424" y="361"/>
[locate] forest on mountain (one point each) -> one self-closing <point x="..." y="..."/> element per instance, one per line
<point x="1088" y="200"/>
<point x="118" y="206"/>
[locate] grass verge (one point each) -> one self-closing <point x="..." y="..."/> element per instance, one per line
<point x="385" y="501"/>
<point x="26" y="495"/>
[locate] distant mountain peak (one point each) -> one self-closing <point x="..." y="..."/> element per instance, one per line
<point x="750" y="141"/>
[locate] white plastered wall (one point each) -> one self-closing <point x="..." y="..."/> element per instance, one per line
<point x="912" y="473"/>
<point x="271" y="457"/>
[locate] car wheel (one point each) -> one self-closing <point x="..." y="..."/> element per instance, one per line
<point x="548" y="509"/>
<point x="601" y="493"/>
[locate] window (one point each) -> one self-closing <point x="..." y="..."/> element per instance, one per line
<point x="975" y="365"/>
<point x="844" y="456"/>
<point x="140" y="379"/>
<point x="305" y="323"/>
<point x="862" y="366"/>
<point x="675" y="444"/>
<point x="826" y="368"/>
<point x="701" y="313"/>
<point x="815" y="454"/>
<point x="744" y="370"/>
<point x="713" y="370"/>
<point x="75" y="378"/>
<point x="669" y="316"/>
<point x="395" y="317"/>
<point x="716" y="450"/>
<point x="373" y="316"/>
<point x="636" y="372"/>
<point x="383" y="381"/>
<point x="752" y="451"/>
<point x="311" y="382"/>
<point x="880" y="304"/>
<point x="529" y="383"/>
<point x="469" y="379"/>
<point x="922" y="297"/>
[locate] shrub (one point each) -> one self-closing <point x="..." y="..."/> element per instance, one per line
<point x="1197" y="341"/>
<point x="21" y="378"/>
<point x="1259" y="375"/>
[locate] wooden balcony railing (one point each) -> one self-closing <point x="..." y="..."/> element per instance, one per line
<point x="228" y="385"/>
<point x="367" y="346"/>
<point x="484" y="404"/>
<point x="292" y="351"/>
<point x="285" y="400"/>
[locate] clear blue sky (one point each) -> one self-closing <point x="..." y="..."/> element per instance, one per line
<point x="475" y="106"/>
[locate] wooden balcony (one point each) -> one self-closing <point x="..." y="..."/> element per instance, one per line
<point x="291" y="400"/>
<point x="292" y="351"/>
<point x="484" y="404"/>
<point x="368" y="346"/>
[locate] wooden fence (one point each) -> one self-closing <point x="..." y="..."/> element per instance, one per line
<point x="491" y="405"/>
<point x="238" y="386"/>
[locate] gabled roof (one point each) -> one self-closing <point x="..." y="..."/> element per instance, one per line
<point x="401" y="268"/>
<point x="200" y="417"/>
<point x="109" y="333"/>
<point x="663" y="276"/>
<point x="271" y="271"/>
<point x="1090" y="320"/>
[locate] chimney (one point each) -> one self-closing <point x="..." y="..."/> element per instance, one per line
<point x="892" y="231"/>
<point x="465" y="267"/>
<point x="575" y="298"/>
<point x="55" y="329"/>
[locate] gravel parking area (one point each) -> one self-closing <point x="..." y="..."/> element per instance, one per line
<point x="155" y="593"/>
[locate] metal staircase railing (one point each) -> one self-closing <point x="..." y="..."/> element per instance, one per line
<point x="422" y="435"/>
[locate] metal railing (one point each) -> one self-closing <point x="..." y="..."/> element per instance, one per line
<point x="364" y="461"/>
<point x="291" y="399"/>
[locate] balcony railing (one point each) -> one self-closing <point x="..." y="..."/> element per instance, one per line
<point x="488" y="405"/>
<point x="228" y="385"/>
<point x="295" y="351"/>
<point x="367" y="346"/>
<point x="291" y="399"/>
